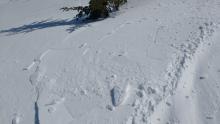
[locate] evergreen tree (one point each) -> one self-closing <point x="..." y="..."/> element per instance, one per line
<point x="97" y="8"/>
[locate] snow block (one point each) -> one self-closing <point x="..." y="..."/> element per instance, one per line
<point x="116" y="95"/>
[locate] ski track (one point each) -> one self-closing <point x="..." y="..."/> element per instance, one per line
<point x="119" y="27"/>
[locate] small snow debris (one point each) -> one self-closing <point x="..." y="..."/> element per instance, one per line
<point x="209" y="117"/>
<point x="29" y="66"/>
<point x="144" y="119"/>
<point x="114" y="76"/>
<point x="150" y="90"/>
<point x="187" y="97"/>
<point x="37" y="76"/>
<point x="116" y="95"/>
<point x="42" y="55"/>
<point x="51" y="109"/>
<point x="141" y="87"/>
<point x="168" y="104"/>
<point x="151" y="106"/>
<point x="83" y="45"/>
<point x="85" y="51"/>
<point x="201" y="77"/>
<point x="122" y="53"/>
<point x="61" y="100"/>
<point x="16" y="119"/>
<point x="83" y="92"/>
<point x="110" y="108"/>
<point x="135" y="103"/>
<point x="130" y="120"/>
<point x="141" y="93"/>
<point x="56" y="101"/>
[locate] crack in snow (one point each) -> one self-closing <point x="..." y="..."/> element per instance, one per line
<point x="36" y="110"/>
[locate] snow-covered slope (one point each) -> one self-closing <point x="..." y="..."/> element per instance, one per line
<point x="154" y="61"/>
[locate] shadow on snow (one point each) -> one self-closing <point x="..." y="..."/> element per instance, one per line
<point x="74" y="24"/>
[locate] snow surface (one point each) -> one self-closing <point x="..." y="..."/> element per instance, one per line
<point x="153" y="62"/>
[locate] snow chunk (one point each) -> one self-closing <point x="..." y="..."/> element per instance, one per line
<point x="16" y="119"/>
<point x="119" y="95"/>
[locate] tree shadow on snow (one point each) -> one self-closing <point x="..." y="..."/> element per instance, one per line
<point x="74" y="24"/>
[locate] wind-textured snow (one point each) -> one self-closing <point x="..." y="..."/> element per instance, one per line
<point x="153" y="62"/>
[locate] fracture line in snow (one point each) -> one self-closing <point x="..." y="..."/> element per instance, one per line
<point x="37" y="60"/>
<point x="115" y="30"/>
<point x="36" y="111"/>
<point x="34" y="79"/>
<point x="120" y="26"/>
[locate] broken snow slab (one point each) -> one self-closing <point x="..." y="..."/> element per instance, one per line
<point x="117" y="96"/>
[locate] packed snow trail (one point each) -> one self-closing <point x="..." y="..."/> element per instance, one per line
<point x="207" y="83"/>
<point x="182" y="68"/>
<point x="185" y="105"/>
